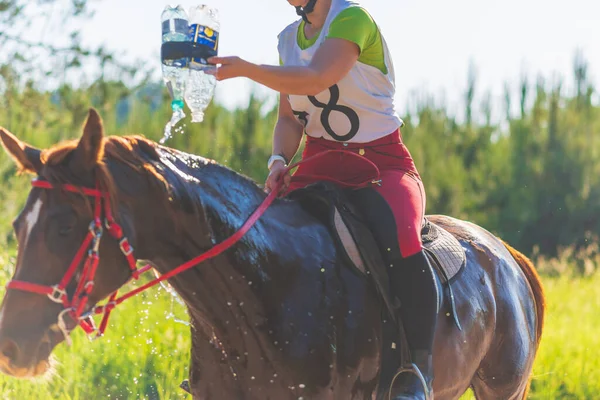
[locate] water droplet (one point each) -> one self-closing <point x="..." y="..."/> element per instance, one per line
<point x="253" y="378"/>
<point x="302" y="386"/>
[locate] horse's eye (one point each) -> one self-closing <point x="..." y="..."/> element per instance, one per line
<point x="65" y="230"/>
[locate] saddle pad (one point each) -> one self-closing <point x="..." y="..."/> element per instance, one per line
<point x="446" y="251"/>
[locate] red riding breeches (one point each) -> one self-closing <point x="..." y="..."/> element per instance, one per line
<point x="401" y="187"/>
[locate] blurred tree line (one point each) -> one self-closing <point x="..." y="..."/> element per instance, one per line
<point x="532" y="177"/>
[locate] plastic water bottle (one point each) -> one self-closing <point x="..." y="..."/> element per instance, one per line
<point x="175" y="72"/>
<point x="204" y="34"/>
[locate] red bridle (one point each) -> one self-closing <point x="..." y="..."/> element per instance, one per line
<point x="88" y="250"/>
<point x="75" y="306"/>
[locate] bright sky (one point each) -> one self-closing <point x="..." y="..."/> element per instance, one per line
<point x="432" y="41"/>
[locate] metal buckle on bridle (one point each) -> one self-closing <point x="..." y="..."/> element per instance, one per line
<point x="96" y="230"/>
<point x="89" y="322"/>
<point x="89" y="285"/>
<point x="126" y="247"/>
<point x="57" y="294"/>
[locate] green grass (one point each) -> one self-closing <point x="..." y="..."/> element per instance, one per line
<point x="144" y="354"/>
<point x="568" y="366"/>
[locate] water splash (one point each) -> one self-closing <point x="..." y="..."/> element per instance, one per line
<point x="174" y="297"/>
<point x="177" y="116"/>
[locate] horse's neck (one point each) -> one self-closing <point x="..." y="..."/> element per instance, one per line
<point x="226" y="296"/>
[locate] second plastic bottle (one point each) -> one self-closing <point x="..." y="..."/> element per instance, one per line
<point x="204" y="33"/>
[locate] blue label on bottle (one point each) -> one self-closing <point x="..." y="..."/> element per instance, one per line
<point x="206" y="37"/>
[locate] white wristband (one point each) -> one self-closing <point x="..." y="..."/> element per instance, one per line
<point x="273" y="158"/>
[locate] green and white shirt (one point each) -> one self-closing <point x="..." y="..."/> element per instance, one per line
<point x="360" y="107"/>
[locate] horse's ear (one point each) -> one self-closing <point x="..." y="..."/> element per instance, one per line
<point x="90" y="149"/>
<point x="28" y="158"/>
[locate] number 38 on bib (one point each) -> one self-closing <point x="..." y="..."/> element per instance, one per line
<point x="338" y="121"/>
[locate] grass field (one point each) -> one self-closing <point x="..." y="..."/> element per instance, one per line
<point x="144" y="354"/>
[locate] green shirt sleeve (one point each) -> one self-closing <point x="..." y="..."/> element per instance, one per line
<point x="356" y="25"/>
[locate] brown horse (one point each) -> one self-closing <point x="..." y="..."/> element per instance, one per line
<point x="280" y="315"/>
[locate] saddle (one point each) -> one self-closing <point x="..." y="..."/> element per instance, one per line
<point x="332" y="205"/>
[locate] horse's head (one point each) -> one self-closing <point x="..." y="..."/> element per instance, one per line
<point x="50" y="231"/>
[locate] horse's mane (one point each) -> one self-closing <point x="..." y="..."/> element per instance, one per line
<point x="147" y="158"/>
<point x="135" y="152"/>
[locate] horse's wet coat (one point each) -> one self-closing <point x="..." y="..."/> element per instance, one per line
<point x="291" y="318"/>
<point x="279" y="315"/>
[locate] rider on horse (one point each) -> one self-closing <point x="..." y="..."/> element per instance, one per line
<point x="336" y="81"/>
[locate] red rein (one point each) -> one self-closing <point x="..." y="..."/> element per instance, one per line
<point x="75" y="306"/>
